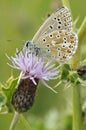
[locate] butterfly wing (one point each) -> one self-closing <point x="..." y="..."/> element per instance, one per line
<point x="59" y="44"/>
<point x="55" y="36"/>
<point x="60" y="20"/>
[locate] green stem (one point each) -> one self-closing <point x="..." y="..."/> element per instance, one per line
<point x="77" y="113"/>
<point x="22" y="120"/>
<point x="14" y="121"/>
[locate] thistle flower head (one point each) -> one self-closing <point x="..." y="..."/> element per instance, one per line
<point x="34" y="67"/>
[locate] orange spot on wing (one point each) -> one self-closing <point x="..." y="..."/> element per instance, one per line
<point x="69" y="51"/>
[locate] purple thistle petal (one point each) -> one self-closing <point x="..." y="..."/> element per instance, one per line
<point x="48" y="86"/>
<point x="34" y="67"/>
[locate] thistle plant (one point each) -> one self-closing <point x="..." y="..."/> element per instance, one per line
<point x="32" y="69"/>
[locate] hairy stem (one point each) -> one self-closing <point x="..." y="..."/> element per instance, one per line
<point x="22" y="120"/>
<point x="14" y="121"/>
<point x="77" y="113"/>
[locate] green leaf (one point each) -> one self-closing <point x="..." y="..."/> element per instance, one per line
<point x="73" y="77"/>
<point x="8" y="90"/>
<point x="2" y="99"/>
<point x="65" y="71"/>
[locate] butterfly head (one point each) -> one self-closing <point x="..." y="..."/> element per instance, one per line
<point x="32" y="48"/>
<point x="29" y="44"/>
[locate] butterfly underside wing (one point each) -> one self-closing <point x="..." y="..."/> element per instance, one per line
<point x="60" y="20"/>
<point x="60" y="44"/>
<point x="55" y="36"/>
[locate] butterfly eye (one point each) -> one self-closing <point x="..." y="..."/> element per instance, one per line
<point x="28" y="43"/>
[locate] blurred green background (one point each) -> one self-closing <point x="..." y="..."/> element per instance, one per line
<point x="19" y="21"/>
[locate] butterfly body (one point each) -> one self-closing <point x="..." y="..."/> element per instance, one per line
<point x="31" y="48"/>
<point x="55" y="37"/>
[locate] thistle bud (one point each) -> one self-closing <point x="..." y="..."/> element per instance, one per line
<point x="82" y="72"/>
<point x="23" y="96"/>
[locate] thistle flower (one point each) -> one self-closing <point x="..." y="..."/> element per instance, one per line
<point x="32" y="70"/>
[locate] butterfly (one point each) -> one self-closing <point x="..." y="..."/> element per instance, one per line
<point x="55" y="37"/>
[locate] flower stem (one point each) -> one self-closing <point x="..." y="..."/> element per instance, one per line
<point x="22" y="120"/>
<point x="14" y="121"/>
<point x="77" y="113"/>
